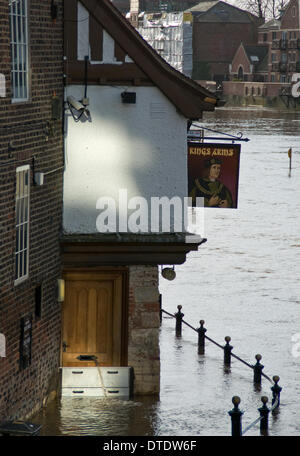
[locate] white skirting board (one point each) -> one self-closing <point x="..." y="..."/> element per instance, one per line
<point x="97" y="381"/>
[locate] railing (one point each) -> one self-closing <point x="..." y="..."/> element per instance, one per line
<point x="292" y="44"/>
<point x="275" y="44"/>
<point x="263" y="419"/>
<point x="235" y="413"/>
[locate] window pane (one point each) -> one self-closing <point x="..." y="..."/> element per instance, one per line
<point x="25" y="236"/>
<point x="21" y="264"/>
<point x="22" y="221"/>
<point x="19" y="49"/>
<point x="14" y="58"/>
<point x="25" y="219"/>
<point x="14" y="28"/>
<point x="21" y="237"/>
<point x="26" y="179"/>
<point x="14" y="7"/>
<point x="21" y="183"/>
<point x="24" y="30"/>
<point x="17" y="239"/>
<point x="23" y="8"/>
<point x="25" y="263"/>
<point x="16" y="86"/>
<point x="19" y="30"/>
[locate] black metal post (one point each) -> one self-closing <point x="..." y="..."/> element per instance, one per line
<point x="179" y="316"/>
<point x="201" y="338"/>
<point x="236" y="417"/>
<point x="227" y="351"/>
<point x="276" y="389"/>
<point x="257" y="368"/>
<point x="264" y="414"/>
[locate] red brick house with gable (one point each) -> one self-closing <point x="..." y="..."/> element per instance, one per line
<point x="218" y="29"/>
<point x="250" y="63"/>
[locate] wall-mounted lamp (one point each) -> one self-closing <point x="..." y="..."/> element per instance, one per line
<point x="56" y="107"/>
<point x="128" y="97"/>
<point x="168" y="273"/>
<point x="60" y="290"/>
<point x="38" y="178"/>
<point x="78" y="108"/>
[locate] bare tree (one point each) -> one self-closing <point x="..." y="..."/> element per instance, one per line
<point x="262" y="8"/>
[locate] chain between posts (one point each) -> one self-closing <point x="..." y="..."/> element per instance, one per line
<point x="235" y="413"/>
<point x="179" y="315"/>
<point x="264" y="414"/>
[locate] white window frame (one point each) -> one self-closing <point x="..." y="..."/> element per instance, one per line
<point x="19" y="50"/>
<point x="22" y="223"/>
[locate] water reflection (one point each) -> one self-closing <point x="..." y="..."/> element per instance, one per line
<point x="97" y="416"/>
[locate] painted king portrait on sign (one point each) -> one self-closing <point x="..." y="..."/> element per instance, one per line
<point x="213" y="174"/>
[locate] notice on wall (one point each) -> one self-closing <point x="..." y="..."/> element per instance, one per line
<point x="2" y="346"/>
<point x="213" y="174"/>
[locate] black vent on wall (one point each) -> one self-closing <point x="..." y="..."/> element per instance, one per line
<point x="128" y="97"/>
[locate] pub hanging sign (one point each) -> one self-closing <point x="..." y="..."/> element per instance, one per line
<point x="213" y="174"/>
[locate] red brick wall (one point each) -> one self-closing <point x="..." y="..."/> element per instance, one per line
<point x="290" y="19"/>
<point x="254" y="88"/>
<point x="29" y="128"/>
<point x="217" y="43"/>
<point x="240" y="59"/>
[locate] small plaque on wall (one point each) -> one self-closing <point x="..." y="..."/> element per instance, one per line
<point x="2" y="346"/>
<point x="25" y="341"/>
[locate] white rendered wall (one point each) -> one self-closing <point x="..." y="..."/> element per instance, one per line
<point x="138" y="147"/>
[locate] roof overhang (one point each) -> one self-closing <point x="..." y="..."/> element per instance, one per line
<point x="123" y="249"/>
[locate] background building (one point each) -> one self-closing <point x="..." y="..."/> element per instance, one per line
<point x="171" y="35"/>
<point x="277" y="56"/>
<point x="201" y="40"/>
<point x="218" y="29"/>
<point x="283" y="39"/>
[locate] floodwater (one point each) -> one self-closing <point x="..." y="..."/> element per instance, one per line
<point x="244" y="282"/>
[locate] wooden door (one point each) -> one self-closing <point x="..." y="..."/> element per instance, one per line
<point x="91" y="319"/>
